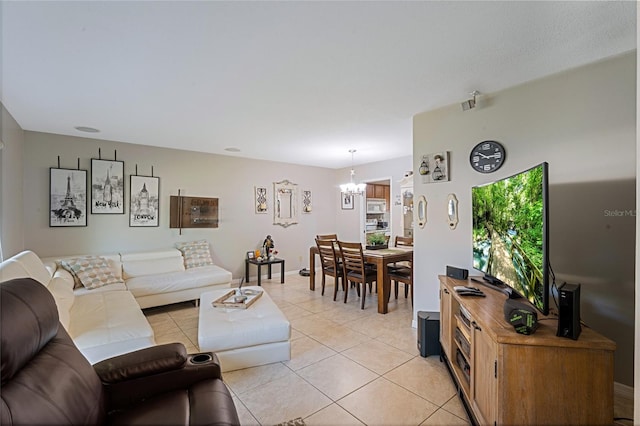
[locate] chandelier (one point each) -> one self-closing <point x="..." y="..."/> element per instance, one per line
<point x="352" y="188"/>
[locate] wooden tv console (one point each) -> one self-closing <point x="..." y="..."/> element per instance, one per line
<point x="515" y="379"/>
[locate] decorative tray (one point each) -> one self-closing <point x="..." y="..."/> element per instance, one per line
<point x="228" y="300"/>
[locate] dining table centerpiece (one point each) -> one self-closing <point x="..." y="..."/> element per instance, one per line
<point x="377" y="241"/>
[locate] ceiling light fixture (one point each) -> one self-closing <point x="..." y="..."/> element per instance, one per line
<point x="471" y="103"/>
<point x="352" y="188"/>
<point x="87" y="129"/>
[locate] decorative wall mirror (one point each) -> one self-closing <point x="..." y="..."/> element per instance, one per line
<point x="452" y="211"/>
<point x="285" y="202"/>
<point x="422" y="211"/>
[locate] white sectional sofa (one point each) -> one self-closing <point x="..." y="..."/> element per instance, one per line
<point x="158" y="278"/>
<point x="108" y="320"/>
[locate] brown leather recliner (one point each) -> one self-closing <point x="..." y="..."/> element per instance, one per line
<point x="47" y="380"/>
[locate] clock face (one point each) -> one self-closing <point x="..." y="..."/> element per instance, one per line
<point x="487" y="156"/>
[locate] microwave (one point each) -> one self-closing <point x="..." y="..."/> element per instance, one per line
<point x="376" y="206"/>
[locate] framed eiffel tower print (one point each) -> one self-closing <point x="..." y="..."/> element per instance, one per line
<point x="67" y="197"/>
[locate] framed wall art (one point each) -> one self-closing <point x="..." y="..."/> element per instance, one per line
<point x="67" y="197"/>
<point x="306" y="201"/>
<point x="145" y="197"/>
<point x="107" y="186"/>
<point x="346" y="200"/>
<point x="261" y="199"/>
<point x="192" y="212"/>
<point x="285" y="203"/>
<point x="434" y="167"/>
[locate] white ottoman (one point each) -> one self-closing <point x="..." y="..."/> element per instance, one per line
<point x="243" y="338"/>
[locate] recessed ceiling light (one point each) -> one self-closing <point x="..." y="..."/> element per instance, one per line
<point x="86" y="129"/>
<point x="232" y="149"/>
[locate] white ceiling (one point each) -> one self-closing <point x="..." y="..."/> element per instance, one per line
<point x="299" y="82"/>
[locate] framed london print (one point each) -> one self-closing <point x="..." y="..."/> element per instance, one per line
<point x="67" y="197"/>
<point x="145" y="195"/>
<point x="107" y="186"/>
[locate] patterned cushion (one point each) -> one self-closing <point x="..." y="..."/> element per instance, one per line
<point x="91" y="271"/>
<point x="195" y="253"/>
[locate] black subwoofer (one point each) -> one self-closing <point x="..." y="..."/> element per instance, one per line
<point x="428" y="333"/>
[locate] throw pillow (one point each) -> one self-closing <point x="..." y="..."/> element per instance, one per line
<point x="91" y="271"/>
<point x="195" y="253"/>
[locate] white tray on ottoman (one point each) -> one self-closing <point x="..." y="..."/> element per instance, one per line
<point x="243" y="338"/>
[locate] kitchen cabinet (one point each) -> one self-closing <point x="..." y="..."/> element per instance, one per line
<point x="371" y="191"/>
<point x="378" y="191"/>
<point x="381" y="192"/>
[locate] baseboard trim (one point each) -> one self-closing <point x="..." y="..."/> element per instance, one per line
<point x="623" y="391"/>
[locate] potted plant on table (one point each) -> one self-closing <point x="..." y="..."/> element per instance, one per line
<point x="377" y="241"/>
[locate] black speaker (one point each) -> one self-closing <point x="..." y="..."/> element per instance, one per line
<point x="428" y="333"/>
<point x="521" y="316"/>
<point x="457" y="273"/>
<point x="569" y="311"/>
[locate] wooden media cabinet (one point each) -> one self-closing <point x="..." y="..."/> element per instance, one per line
<point x="506" y="378"/>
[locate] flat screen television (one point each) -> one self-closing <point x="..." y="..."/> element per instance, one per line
<point x="510" y="234"/>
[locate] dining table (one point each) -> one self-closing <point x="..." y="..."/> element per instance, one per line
<point x="381" y="258"/>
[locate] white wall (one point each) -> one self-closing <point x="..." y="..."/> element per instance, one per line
<point x="349" y="221"/>
<point x="228" y="178"/>
<point x="11" y="215"/>
<point x="583" y="123"/>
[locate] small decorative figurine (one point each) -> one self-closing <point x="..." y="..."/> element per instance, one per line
<point x="267" y="245"/>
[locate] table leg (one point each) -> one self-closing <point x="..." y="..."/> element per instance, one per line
<point x="269" y="271"/>
<point x="312" y="270"/>
<point x="384" y="286"/>
<point x="282" y="272"/>
<point x="259" y="275"/>
<point x="246" y="271"/>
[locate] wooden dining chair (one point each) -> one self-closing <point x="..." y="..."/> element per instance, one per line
<point x="403" y="274"/>
<point x="402" y="268"/>
<point x="333" y="237"/>
<point x="355" y="270"/>
<point x="403" y="241"/>
<point x="330" y="264"/>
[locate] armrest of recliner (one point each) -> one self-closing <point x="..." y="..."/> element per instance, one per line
<point x="140" y="363"/>
<point x="152" y="371"/>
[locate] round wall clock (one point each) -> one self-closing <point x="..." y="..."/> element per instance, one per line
<point x="487" y="156"/>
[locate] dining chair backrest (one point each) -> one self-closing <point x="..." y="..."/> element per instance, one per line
<point x="333" y="237"/>
<point x="352" y="257"/>
<point x="327" y="252"/>
<point x="404" y="241"/>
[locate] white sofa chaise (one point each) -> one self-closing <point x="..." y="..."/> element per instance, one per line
<point x="108" y="320"/>
<point x="102" y="323"/>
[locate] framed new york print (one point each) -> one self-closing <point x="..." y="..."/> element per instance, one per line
<point x="107" y="186"/>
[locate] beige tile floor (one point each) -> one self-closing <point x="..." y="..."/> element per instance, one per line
<point x="347" y="367"/>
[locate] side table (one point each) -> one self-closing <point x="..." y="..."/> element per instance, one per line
<point x="259" y="264"/>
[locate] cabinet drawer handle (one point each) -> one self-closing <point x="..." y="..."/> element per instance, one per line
<point x="475" y="325"/>
<point x="446" y="291"/>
